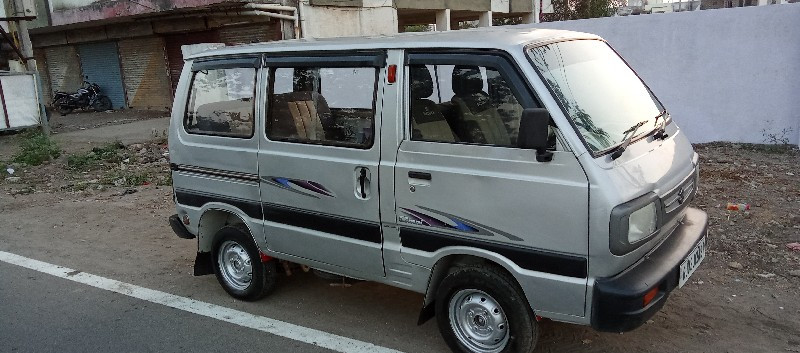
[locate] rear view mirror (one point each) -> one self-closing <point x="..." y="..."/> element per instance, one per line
<point x="533" y="132"/>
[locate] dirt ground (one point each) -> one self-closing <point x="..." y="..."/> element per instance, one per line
<point x="106" y="214"/>
<point x="90" y="120"/>
<point x="79" y="121"/>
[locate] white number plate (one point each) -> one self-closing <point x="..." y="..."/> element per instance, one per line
<point x="692" y="262"/>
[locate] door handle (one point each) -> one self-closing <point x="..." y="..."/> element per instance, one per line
<point x="362" y="182"/>
<point x="362" y="178"/>
<point x="419" y="175"/>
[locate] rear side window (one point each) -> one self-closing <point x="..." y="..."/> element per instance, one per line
<point x="323" y="105"/>
<point x="463" y="104"/>
<point x="221" y="103"/>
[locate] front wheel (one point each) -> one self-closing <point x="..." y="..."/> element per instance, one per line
<point x="238" y="266"/>
<point x="101" y="104"/>
<point x="481" y="309"/>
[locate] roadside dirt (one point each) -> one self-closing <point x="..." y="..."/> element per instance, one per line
<point x="743" y="298"/>
<point x="79" y="121"/>
<point x="90" y="120"/>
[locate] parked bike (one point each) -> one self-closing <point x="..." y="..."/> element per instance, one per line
<point x="87" y="96"/>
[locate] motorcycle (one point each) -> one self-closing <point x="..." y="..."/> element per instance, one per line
<point x="87" y="96"/>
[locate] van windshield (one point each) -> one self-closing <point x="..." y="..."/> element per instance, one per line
<point x="597" y="90"/>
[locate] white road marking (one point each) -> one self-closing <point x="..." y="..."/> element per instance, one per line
<point x="236" y="317"/>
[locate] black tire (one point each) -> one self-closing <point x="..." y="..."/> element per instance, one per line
<point x="503" y="290"/>
<point x="263" y="279"/>
<point x="62" y="107"/>
<point x="102" y="104"/>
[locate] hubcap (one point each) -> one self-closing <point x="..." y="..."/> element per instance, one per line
<point x="234" y="264"/>
<point x="478" y="321"/>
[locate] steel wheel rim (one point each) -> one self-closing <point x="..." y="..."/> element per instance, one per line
<point x="478" y="321"/>
<point x="235" y="265"/>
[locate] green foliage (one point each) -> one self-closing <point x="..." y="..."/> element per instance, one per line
<point x="417" y="28"/>
<point x="107" y="153"/>
<point x="578" y="9"/>
<point x="166" y="180"/>
<point x="36" y="148"/>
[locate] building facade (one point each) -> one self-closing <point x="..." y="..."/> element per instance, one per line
<point x="132" y="49"/>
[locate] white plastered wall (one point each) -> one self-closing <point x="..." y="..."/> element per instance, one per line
<point x="725" y="75"/>
<point x="330" y="21"/>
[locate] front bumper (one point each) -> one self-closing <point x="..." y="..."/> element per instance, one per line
<point x="617" y="303"/>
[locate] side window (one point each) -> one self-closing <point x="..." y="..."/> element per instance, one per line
<point x="221" y="103"/>
<point x="463" y="103"/>
<point x="319" y="105"/>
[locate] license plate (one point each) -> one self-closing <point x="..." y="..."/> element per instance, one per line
<point x="692" y="261"/>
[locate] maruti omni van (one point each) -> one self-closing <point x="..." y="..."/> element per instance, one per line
<point x="508" y="175"/>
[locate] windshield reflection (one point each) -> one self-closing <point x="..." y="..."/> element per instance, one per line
<point x="600" y="94"/>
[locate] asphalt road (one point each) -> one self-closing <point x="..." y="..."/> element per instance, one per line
<point x="41" y="313"/>
<point x="126" y="238"/>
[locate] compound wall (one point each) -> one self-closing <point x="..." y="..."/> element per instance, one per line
<point x="725" y="75"/>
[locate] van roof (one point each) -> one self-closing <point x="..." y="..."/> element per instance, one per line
<point x="505" y="38"/>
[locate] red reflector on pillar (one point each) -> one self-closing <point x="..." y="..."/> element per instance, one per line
<point x="264" y="257"/>
<point x="650" y="296"/>
<point x="391" y="75"/>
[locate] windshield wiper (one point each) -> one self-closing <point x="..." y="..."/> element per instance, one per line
<point x="629" y="134"/>
<point x="661" y="133"/>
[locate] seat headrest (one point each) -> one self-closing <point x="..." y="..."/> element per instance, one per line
<point x="304" y="80"/>
<point x="421" y="82"/>
<point x="467" y="80"/>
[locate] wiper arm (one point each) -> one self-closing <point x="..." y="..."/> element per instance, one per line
<point x="661" y="133"/>
<point x="630" y="133"/>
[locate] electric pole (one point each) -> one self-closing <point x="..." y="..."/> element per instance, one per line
<point x="26" y="47"/>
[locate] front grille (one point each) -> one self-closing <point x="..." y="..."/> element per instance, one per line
<point x="679" y="198"/>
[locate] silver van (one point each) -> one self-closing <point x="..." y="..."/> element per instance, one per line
<point x="509" y="175"/>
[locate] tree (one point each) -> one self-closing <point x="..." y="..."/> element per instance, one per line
<point x="578" y="9"/>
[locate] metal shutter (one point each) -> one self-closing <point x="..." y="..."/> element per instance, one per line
<point x="100" y="62"/>
<point x="260" y="32"/>
<point x="145" y="71"/>
<point x="173" y="43"/>
<point x="63" y="68"/>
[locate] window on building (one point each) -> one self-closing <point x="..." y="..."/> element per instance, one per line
<point x="463" y="103"/>
<point x="221" y="103"/>
<point x="319" y="105"/>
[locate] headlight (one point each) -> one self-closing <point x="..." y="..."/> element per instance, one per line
<point x="642" y="223"/>
<point x="633" y="222"/>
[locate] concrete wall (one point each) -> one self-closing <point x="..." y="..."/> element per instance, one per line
<point x="329" y="21"/>
<point x="725" y="75"/>
<point x="74" y="11"/>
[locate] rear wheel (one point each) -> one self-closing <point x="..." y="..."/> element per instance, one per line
<point x="62" y="106"/>
<point x="238" y="266"/>
<point x="102" y="104"/>
<point x="481" y="309"/>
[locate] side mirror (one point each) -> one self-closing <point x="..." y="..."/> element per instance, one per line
<point x="533" y="132"/>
